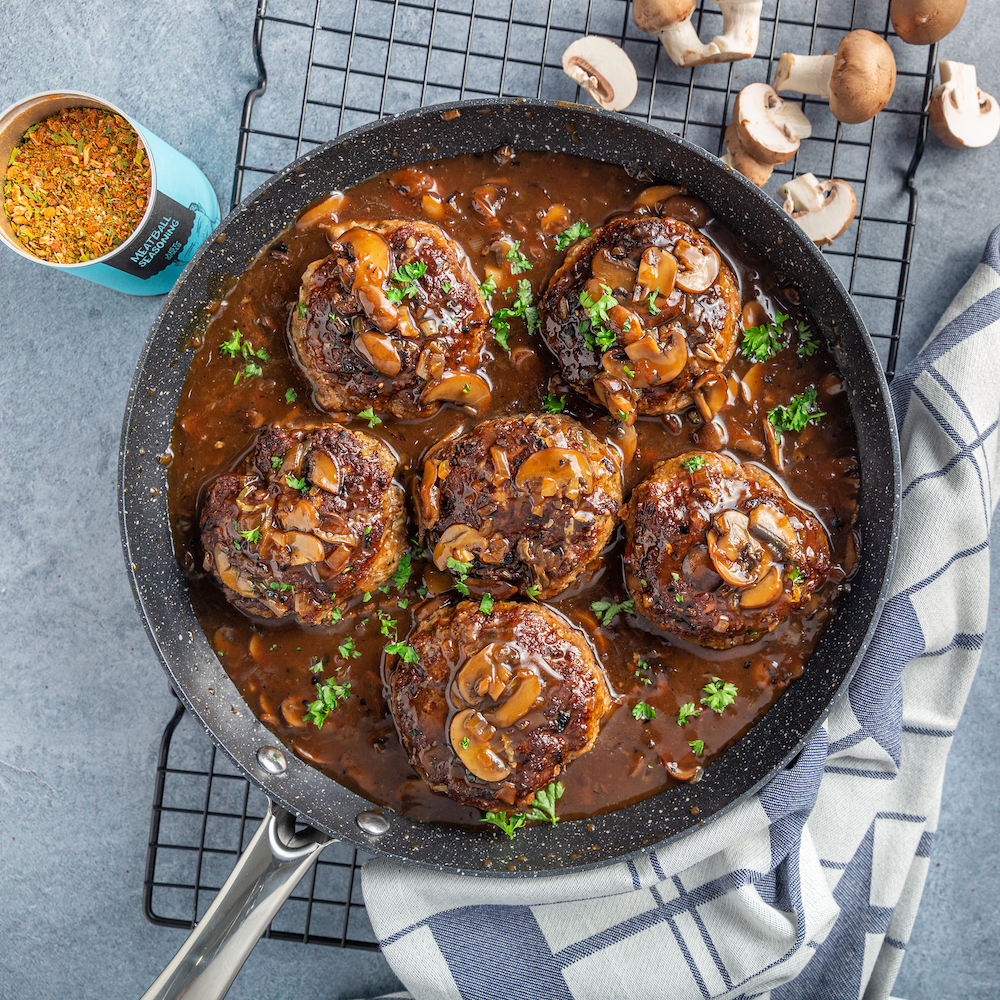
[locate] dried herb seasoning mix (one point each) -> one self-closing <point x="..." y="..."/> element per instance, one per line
<point x="76" y="185"/>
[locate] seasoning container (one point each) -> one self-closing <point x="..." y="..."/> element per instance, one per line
<point x="181" y="210"/>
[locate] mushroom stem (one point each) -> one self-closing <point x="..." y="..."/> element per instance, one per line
<point x="740" y="34"/>
<point x="962" y="115"/>
<point x="683" y="44"/>
<point x="804" y="74"/>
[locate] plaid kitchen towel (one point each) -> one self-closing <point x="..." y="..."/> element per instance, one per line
<point x="810" y="888"/>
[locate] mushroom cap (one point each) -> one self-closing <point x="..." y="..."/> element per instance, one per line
<point x="962" y="115"/>
<point x="823" y="209"/>
<point x="863" y="77"/>
<point x="652" y="16"/>
<point x="924" y="22"/>
<point x="603" y="69"/>
<point x="770" y="129"/>
<point x="741" y="161"/>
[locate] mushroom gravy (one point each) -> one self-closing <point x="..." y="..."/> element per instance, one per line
<point x="218" y="421"/>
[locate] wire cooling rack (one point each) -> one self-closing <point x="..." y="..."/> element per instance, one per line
<point x="326" y="66"/>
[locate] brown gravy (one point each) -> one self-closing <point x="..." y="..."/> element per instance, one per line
<point x="218" y="422"/>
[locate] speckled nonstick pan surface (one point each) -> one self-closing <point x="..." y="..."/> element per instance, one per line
<point x="161" y="592"/>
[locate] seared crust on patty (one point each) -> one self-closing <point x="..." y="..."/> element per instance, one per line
<point x="314" y="519"/>
<point x="525" y="501"/>
<point x="659" y="311"/>
<point x="393" y="320"/>
<point x="495" y="706"/>
<point x="717" y="553"/>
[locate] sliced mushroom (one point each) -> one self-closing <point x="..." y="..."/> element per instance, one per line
<point x="379" y="351"/>
<point x="700" y="266"/>
<point x="470" y="736"/>
<point x="671" y="20"/>
<point x="371" y="253"/>
<point x="773" y="527"/>
<point x="737" y="556"/>
<point x="229" y="575"/>
<point x="464" y="388"/>
<point x="324" y="472"/>
<point x="522" y="693"/>
<point x="613" y="272"/>
<point x="428" y="494"/>
<point x="413" y="183"/>
<point x="741" y="161"/>
<point x="617" y="396"/>
<point x="770" y="129"/>
<point x="304" y="548"/>
<point x="486" y="673"/>
<point x="651" y="197"/>
<point x="556" y="472"/>
<point x="657" y="364"/>
<point x="962" y="116"/>
<point x="302" y="517"/>
<point x="710" y="393"/>
<point x="324" y="211"/>
<point x="823" y="209"/>
<point x="555" y="220"/>
<point x="773" y="439"/>
<point x="377" y="306"/>
<point x="487" y="198"/>
<point x="767" y="591"/>
<point x="699" y="571"/>
<point x="857" y="80"/>
<point x="924" y="22"/>
<point x="458" y="541"/>
<point x="657" y="274"/>
<point x="603" y="70"/>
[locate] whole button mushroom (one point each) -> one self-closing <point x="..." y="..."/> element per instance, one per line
<point x="857" y="80"/>
<point x="924" y="22"/>
<point x="962" y="116"/>
<point x="603" y="69"/>
<point x="671" y="20"/>
<point x="824" y="209"/>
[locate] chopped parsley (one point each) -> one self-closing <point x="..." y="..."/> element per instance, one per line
<point x="687" y="711"/>
<point x="764" y="341"/>
<point x="276" y="461"/>
<point x="520" y="308"/>
<point x="534" y="590"/>
<point x="347" y="650"/>
<point x="606" y="610"/>
<point x="331" y="694"/>
<point x="280" y="587"/>
<point x="406" y="279"/>
<point x="640" y="667"/>
<point x="794" y="574"/>
<point x="291" y="395"/>
<point x="297" y="484"/>
<point x="808" y="344"/>
<point x="643" y="712"/>
<point x="719" y="696"/>
<point x="698" y="746"/>
<point x="317" y="667"/>
<point x="799" y="412"/>
<point x="554" y="404"/>
<point x="518" y="262"/>
<point x="578" y="231"/>
<point x="486" y="604"/>
<point x="301" y="307"/>
<point x="694" y="463"/>
<point x="462" y="569"/>
<point x="593" y="328"/>
<point x="508" y="822"/>
<point x="488" y="287"/>
<point x="402" y="575"/>
<point x="651" y="304"/>
<point x="446" y="286"/>
<point x="239" y="346"/>
<point x="406" y="653"/>
<point x="465" y="743"/>
<point x="369" y="414"/>
<point x="543" y="808"/>
<point x="388" y="625"/>
<point x="336" y="615"/>
<point x="252" y="536"/>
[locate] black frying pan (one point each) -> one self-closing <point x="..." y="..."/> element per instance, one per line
<point x="161" y="591"/>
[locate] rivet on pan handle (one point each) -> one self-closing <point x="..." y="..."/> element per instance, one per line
<point x="264" y="877"/>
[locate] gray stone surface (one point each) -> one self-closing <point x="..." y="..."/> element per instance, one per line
<point x="83" y="702"/>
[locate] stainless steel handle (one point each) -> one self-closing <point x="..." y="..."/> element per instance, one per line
<point x="264" y="877"/>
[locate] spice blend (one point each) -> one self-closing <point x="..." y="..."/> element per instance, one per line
<point x="77" y="185"/>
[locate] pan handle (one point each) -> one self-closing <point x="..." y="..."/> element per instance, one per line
<point x="264" y="877"/>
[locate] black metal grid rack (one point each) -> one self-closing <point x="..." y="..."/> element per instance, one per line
<point x="334" y="64"/>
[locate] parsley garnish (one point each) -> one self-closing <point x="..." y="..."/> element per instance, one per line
<point x="406" y="281"/>
<point x="406" y="653"/>
<point x="369" y="414"/>
<point x="593" y="329"/>
<point x="794" y="574"/>
<point x="336" y="615"/>
<point x="694" y="463"/>
<point x="388" y="626"/>
<point x="347" y="650"/>
<point x="808" y="344"/>
<point x="578" y="231"/>
<point x="799" y="412"/>
<point x="520" y="308"/>
<point x="606" y="610"/>
<point x="643" y="712"/>
<point x="764" y="341"/>
<point x="238" y="346"/>
<point x="331" y="694"/>
<point x="465" y="742"/>
<point x="446" y="286"/>
<point x="281" y="587"/>
<point x="518" y="262"/>
<point x="462" y="569"/>
<point x="533" y="591"/>
<point x="488" y="287"/>
<point x="554" y="404"/>
<point x="698" y="746"/>
<point x="276" y="461"/>
<point x="543" y="808"/>
<point x="296" y="484"/>
<point x="290" y="395"/>
<point x="302" y="310"/>
<point x="687" y="711"/>
<point x="317" y="667"/>
<point x="402" y="575"/>
<point x="653" y="311"/>
<point x="486" y="604"/>
<point x="718" y="695"/>
<point x="508" y="822"/>
<point x="252" y="536"/>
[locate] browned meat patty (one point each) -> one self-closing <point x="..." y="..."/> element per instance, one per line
<point x="393" y="319"/>
<point x="314" y="519"/>
<point x="525" y="503"/>
<point x="716" y="552"/>
<point x="497" y="705"/>
<point x="640" y="314"/>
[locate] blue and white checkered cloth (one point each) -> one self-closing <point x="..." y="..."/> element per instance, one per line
<point x="809" y="889"/>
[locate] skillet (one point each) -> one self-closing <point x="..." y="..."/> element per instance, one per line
<point x="161" y="593"/>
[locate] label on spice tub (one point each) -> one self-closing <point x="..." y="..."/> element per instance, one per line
<point x="162" y="240"/>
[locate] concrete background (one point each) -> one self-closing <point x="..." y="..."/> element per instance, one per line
<point x="82" y="701"/>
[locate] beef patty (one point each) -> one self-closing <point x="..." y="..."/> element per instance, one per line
<point x="393" y="320"/>
<point x="495" y="706"/>
<point x="640" y="314"/>
<point x="717" y="553"/>
<point x="519" y="503"/>
<point x="314" y="519"/>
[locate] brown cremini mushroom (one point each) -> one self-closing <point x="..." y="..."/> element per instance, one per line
<point x="962" y="116"/>
<point x="671" y="21"/>
<point x="603" y="69"/>
<point x="741" y="161"/>
<point x="737" y="556"/>
<point x="770" y="129"/>
<point x="857" y="80"/>
<point x="924" y="22"/>
<point x="823" y="209"/>
<point x="471" y="736"/>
